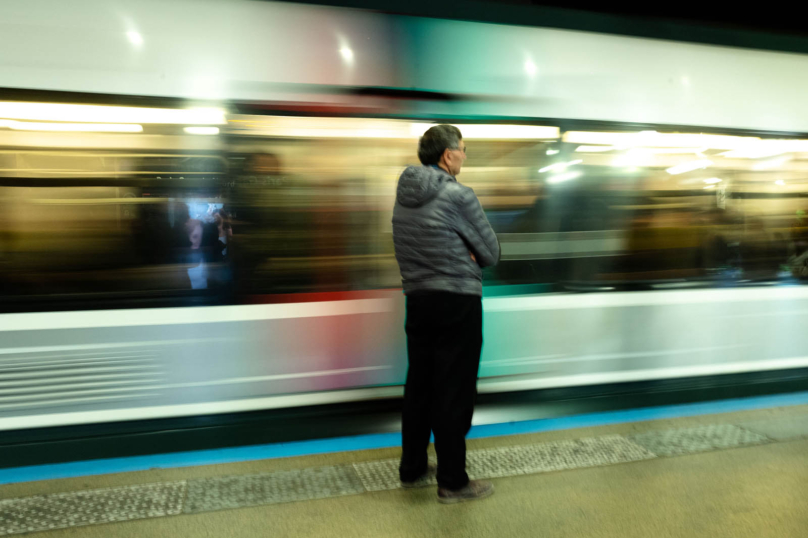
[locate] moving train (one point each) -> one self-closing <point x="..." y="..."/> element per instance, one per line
<point x="195" y="204"/>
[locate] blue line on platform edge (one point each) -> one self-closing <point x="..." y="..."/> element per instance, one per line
<point x="383" y="440"/>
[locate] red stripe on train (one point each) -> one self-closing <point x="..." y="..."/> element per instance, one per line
<point x="321" y="296"/>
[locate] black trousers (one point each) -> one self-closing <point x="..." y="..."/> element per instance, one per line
<point x="444" y="340"/>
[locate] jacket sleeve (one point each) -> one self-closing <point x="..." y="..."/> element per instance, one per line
<point x="476" y="231"/>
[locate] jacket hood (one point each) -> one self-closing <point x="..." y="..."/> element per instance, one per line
<point x="420" y="184"/>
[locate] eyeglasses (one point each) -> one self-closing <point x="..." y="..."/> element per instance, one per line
<point x="463" y="149"/>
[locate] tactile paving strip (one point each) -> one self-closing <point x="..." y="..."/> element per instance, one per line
<point x="382" y="475"/>
<point x="554" y="456"/>
<point x="519" y="460"/>
<point x="210" y="494"/>
<point x="698" y="439"/>
<point x="62" y="510"/>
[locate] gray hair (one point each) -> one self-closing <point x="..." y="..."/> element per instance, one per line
<point x="437" y="140"/>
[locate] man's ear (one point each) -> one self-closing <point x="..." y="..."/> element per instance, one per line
<point x="445" y="157"/>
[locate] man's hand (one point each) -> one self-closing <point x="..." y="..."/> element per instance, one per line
<point x="473" y="258"/>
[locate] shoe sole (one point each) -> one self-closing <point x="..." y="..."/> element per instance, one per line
<point x="420" y="483"/>
<point x="455" y="500"/>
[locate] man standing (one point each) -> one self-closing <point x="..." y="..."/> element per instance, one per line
<point x="442" y="240"/>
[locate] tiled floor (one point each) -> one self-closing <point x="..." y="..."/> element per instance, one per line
<point x="781" y="429"/>
<point x="38" y="513"/>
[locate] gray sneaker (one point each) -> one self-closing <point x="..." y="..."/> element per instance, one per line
<point x="476" y="489"/>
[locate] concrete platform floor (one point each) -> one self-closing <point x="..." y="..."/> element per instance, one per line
<point x="754" y="490"/>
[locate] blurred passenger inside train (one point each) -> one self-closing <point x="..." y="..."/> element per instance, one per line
<point x="152" y="234"/>
<point x="276" y="235"/>
<point x="761" y="252"/>
<point x="799" y="233"/>
<point x="180" y="238"/>
<point x="197" y="272"/>
<point x="798" y="261"/>
<point x="198" y="247"/>
<point x="225" y="229"/>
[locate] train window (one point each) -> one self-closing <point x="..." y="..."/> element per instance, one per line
<point x="316" y="195"/>
<point x="289" y="205"/>
<point x="92" y="220"/>
<point x="652" y="209"/>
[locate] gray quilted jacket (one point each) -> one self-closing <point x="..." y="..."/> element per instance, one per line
<point x="437" y="222"/>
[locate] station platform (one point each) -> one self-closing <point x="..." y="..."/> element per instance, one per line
<point x="727" y="469"/>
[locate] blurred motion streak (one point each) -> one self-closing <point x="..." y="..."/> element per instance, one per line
<point x="169" y="161"/>
<point x="277" y="205"/>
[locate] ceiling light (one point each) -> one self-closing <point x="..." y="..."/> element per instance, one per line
<point x="753" y="153"/>
<point x="594" y="149"/>
<point x="772" y="163"/>
<point x="689" y="166"/>
<point x="17" y="110"/>
<point x="72" y="127"/>
<point x="780" y="182"/>
<point x="347" y="54"/>
<point x="135" y="38"/>
<point x="713" y="180"/>
<point x="673" y="151"/>
<point x="559" y="167"/>
<point x="530" y="68"/>
<point x="560" y="178"/>
<point x="767" y="148"/>
<point x="318" y="127"/>
<point x="653" y="139"/>
<point x="553" y="167"/>
<point x="496" y="132"/>
<point x="633" y="158"/>
<point x="202" y="130"/>
<point x="553" y="151"/>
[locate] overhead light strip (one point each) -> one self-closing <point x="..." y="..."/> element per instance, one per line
<point x="58" y="112"/>
<point x="202" y="130"/>
<point x="497" y="132"/>
<point x="72" y="127"/>
<point x="294" y="127"/>
<point x="689" y="166"/>
<point x="653" y="139"/>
